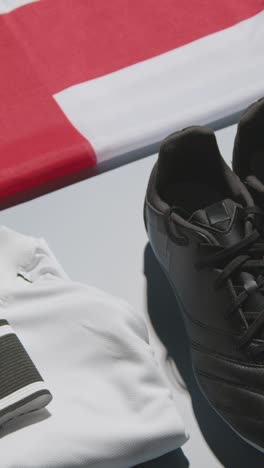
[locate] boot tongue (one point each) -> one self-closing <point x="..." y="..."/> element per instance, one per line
<point x="223" y="219"/>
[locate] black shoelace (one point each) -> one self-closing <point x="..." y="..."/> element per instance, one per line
<point x="245" y="257"/>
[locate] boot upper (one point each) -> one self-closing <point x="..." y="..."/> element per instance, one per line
<point x="201" y="225"/>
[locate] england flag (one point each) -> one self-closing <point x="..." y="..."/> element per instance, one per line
<point x="86" y="81"/>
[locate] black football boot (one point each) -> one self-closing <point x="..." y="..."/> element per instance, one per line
<point x="200" y="220"/>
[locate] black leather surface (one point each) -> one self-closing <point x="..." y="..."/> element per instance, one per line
<point x="233" y="382"/>
<point x="167" y="320"/>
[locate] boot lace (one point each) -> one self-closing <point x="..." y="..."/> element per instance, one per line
<point x="245" y="257"/>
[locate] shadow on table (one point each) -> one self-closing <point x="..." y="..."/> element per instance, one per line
<point x="174" y="459"/>
<point x="167" y="321"/>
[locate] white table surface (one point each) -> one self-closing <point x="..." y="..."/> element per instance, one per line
<point x="95" y="229"/>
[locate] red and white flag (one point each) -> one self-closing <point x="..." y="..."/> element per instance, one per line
<point x="84" y="81"/>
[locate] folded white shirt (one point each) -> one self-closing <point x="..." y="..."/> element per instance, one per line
<point x="111" y="407"/>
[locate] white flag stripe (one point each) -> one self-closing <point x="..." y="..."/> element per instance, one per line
<point x="198" y="83"/>
<point x="22" y="393"/>
<point x="8" y="5"/>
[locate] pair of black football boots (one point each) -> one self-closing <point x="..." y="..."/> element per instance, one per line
<point x="205" y="224"/>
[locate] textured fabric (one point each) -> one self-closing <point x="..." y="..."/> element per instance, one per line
<point x="87" y="81"/>
<point x="22" y="389"/>
<point x="111" y="407"/>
